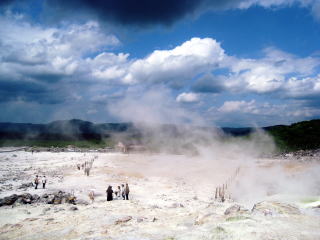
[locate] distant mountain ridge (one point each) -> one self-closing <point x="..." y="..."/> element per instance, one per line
<point x="301" y="135"/>
<point x="74" y="129"/>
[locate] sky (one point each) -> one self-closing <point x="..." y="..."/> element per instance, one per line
<point x="227" y="63"/>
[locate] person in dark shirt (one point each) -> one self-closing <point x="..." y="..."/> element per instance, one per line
<point x="109" y="194"/>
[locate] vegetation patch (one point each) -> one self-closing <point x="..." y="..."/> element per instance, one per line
<point x="310" y="200"/>
<point x="237" y="218"/>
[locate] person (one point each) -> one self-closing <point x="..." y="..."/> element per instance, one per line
<point x="36" y="181"/>
<point x="109" y="193"/>
<point x="126" y="191"/>
<point x="44" y="181"/>
<point x="122" y="191"/>
<point x="91" y="196"/>
<point x="87" y="171"/>
<point x="119" y="192"/>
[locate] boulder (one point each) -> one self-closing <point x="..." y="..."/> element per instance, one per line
<point x="9" y="200"/>
<point x="35" y="198"/>
<point x="177" y="205"/>
<point x="73" y="208"/>
<point x="25" y="185"/>
<point x="123" y="220"/>
<point x="50" y="199"/>
<point x="27" y="198"/>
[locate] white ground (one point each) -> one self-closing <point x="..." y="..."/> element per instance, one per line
<point x="167" y="201"/>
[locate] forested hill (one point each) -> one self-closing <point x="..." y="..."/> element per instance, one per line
<point x="301" y="135"/>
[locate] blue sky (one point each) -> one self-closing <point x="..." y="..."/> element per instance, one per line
<point x="206" y="62"/>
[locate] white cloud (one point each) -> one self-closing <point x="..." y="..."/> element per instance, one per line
<point x="79" y="53"/>
<point x="187" y="97"/>
<point x="44" y="52"/>
<point x="267" y="109"/>
<point x="314" y="5"/>
<point x="270" y="73"/>
<point x="181" y="63"/>
<point x="238" y="106"/>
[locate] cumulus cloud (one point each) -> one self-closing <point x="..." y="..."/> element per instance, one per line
<point x="210" y="83"/>
<point x="43" y="57"/>
<point x="242" y="106"/>
<point x="75" y="64"/>
<point x="268" y="109"/>
<point x="270" y="73"/>
<point x="261" y="113"/>
<point x="181" y="63"/>
<point x="187" y="97"/>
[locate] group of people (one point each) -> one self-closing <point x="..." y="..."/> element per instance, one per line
<point x="121" y="192"/>
<point x="39" y="180"/>
<point x="86" y="166"/>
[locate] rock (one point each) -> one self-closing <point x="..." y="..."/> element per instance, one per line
<point x="73" y="208"/>
<point x="46" y="210"/>
<point x="31" y="219"/>
<point x="25" y="185"/>
<point x="27" y="198"/>
<point x="140" y="219"/>
<point x="272" y="208"/>
<point x="233" y="209"/>
<point x="177" y="205"/>
<point x="123" y="220"/>
<point x="45" y="196"/>
<point x="154" y="219"/>
<point x="9" y="200"/>
<point x="71" y="199"/>
<point x="57" y="200"/>
<point x="35" y="198"/>
<point x="154" y="206"/>
<point x="50" y="199"/>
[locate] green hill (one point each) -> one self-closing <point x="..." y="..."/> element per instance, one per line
<point x="298" y="136"/>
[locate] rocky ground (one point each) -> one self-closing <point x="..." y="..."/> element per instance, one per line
<point x="171" y="197"/>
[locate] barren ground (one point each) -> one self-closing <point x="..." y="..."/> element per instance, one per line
<point x="166" y="201"/>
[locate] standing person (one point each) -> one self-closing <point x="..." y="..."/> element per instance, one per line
<point x="91" y="196"/>
<point x="126" y="191"/>
<point x="36" y="181"/>
<point x="44" y="181"/>
<point x="122" y="191"/>
<point x="109" y="193"/>
<point x="119" y="192"/>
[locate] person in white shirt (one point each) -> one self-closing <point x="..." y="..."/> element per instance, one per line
<point x="44" y="181"/>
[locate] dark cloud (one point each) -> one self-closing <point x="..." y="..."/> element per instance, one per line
<point x="209" y="84"/>
<point x="11" y="90"/>
<point x="138" y="12"/>
<point x="5" y="2"/>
